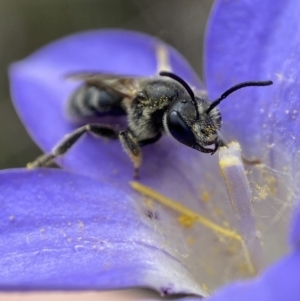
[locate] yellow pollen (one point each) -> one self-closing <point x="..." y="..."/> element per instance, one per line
<point x="218" y="212"/>
<point x="205" y="196"/>
<point x="228" y="161"/>
<point x="186" y="221"/>
<point x="149" y="204"/>
<point x="193" y="216"/>
<point x="191" y="240"/>
<point x="263" y="191"/>
<point x="205" y="288"/>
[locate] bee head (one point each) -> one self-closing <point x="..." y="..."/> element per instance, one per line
<point x="195" y="121"/>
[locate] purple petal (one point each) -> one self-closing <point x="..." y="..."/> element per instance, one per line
<point x="280" y="282"/>
<point x="180" y="299"/>
<point x="256" y="40"/>
<point x="64" y="231"/>
<point x="295" y="228"/>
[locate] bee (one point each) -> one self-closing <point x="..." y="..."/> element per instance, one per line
<point x="153" y="105"/>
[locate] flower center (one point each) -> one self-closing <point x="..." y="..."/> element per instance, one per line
<point x="188" y="217"/>
<point x="230" y="237"/>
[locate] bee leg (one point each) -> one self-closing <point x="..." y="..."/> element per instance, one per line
<point x="219" y="143"/>
<point x="150" y="140"/>
<point x="131" y="147"/>
<point x="70" y="139"/>
<point x="203" y="149"/>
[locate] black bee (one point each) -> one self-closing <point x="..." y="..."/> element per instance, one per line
<point x="164" y="103"/>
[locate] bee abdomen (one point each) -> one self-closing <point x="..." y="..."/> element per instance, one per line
<point x="88" y="101"/>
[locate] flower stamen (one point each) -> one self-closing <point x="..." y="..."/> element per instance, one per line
<point x="231" y="164"/>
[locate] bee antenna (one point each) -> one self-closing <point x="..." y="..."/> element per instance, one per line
<point x="237" y="87"/>
<point x="185" y="85"/>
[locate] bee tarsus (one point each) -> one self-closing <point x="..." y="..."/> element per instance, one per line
<point x="70" y="139"/>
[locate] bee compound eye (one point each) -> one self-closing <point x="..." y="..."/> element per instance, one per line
<point x="179" y="129"/>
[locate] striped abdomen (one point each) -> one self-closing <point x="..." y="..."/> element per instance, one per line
<point x="88" y="101"/>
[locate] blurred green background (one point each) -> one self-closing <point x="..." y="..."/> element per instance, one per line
<point x="26" y="25"/>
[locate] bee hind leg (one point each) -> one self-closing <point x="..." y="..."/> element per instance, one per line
<point x="70" y="139"/>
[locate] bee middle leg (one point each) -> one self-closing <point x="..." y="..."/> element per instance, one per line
<point x="70" y="139"/>
<point x="150" y="140"/>
<point x="131" y="147"/>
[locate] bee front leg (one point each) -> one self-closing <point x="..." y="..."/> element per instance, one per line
<point x="202" y="149"/>
<point x="70" y="139"/>
<point x="219" y="143"/>
<point x="131" y="147"/>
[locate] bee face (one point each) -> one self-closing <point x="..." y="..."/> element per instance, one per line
<point x="207" y="127"/>
<point x="196" y="121"/>
<point x="192" y="129"/>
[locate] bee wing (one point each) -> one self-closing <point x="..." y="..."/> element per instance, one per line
<point x="123" y="85"/>
<point x="201" y="93"/>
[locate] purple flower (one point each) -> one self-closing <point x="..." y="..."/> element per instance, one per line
<point x="86" y="228"/>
